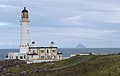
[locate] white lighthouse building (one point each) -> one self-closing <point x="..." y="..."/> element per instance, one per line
<point x="24" y="32"/>
<point x="30" y="52"/>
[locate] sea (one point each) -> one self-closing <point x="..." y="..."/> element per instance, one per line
<point x="68" y="51"/>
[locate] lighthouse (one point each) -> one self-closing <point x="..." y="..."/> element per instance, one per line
<point x="30" y="52"/>
<point x="24" y="31"/>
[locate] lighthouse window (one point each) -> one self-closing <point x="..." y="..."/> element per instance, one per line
<point x="59" y="56"/>
<point x="53" y="51"/>
<point x="24" y="56"/>
<point x="42" y="51"/>
<point x="7" y="56"/>
<point x="16" y="57"/>
<point x="12" y="57"/>
<point x="33" y="51"/>
<point x="42" y="57"/>
<point x="28" y="44"/>
<point x="21" y="57"/>
<point x="47" y="51"/>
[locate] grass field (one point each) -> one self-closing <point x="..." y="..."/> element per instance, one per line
<point x="92" y="65"/>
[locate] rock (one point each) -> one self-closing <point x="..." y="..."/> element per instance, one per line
<point x="9" y="74"/>
<point x="36" y="70"/>
<point x="24" y="73"/>
<point x="17" y="66"/>
<point x="1" y="67"/>
<point x="1" y="70"/>
<point x="5" y="71"/>
<point x="5" y="64"/>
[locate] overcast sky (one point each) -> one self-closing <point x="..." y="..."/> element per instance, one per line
<point x="94" y="23"/>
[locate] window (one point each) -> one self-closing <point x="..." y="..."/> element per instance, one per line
<point x="53" y="51"/>
<point x="24" y="56"/>
<point x="16" y="57"/>
<point x="59" y="56"/>
<point x="42" y="57"/>
<point x="7" y="56"/>
<point x="12" y="57"/>
<point x="47" y="51"/>
<point x="33" y="51"/>
<point x="42" y="51"/>
<point x="27" y="44"/>
<point x="21" y="57"/>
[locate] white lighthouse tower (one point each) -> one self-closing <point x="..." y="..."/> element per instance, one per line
<point x="24" y="31"/>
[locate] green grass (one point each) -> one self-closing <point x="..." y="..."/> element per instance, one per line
<point x="93" y="65"/>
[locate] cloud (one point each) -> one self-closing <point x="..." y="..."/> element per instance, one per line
<point x="1" y="5"/>
<point x="72" y="20"/>
<point x="5" y="6"/>
<point x="67" y="22"/>
<point x="8" y="6"/>
<point x="8" y="25"/>
<point x="4" y="23"/>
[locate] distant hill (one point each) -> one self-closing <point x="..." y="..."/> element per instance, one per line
<point x="80" y="46"/>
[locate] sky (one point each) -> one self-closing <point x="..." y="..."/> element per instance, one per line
<point x="93" y="23"/>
